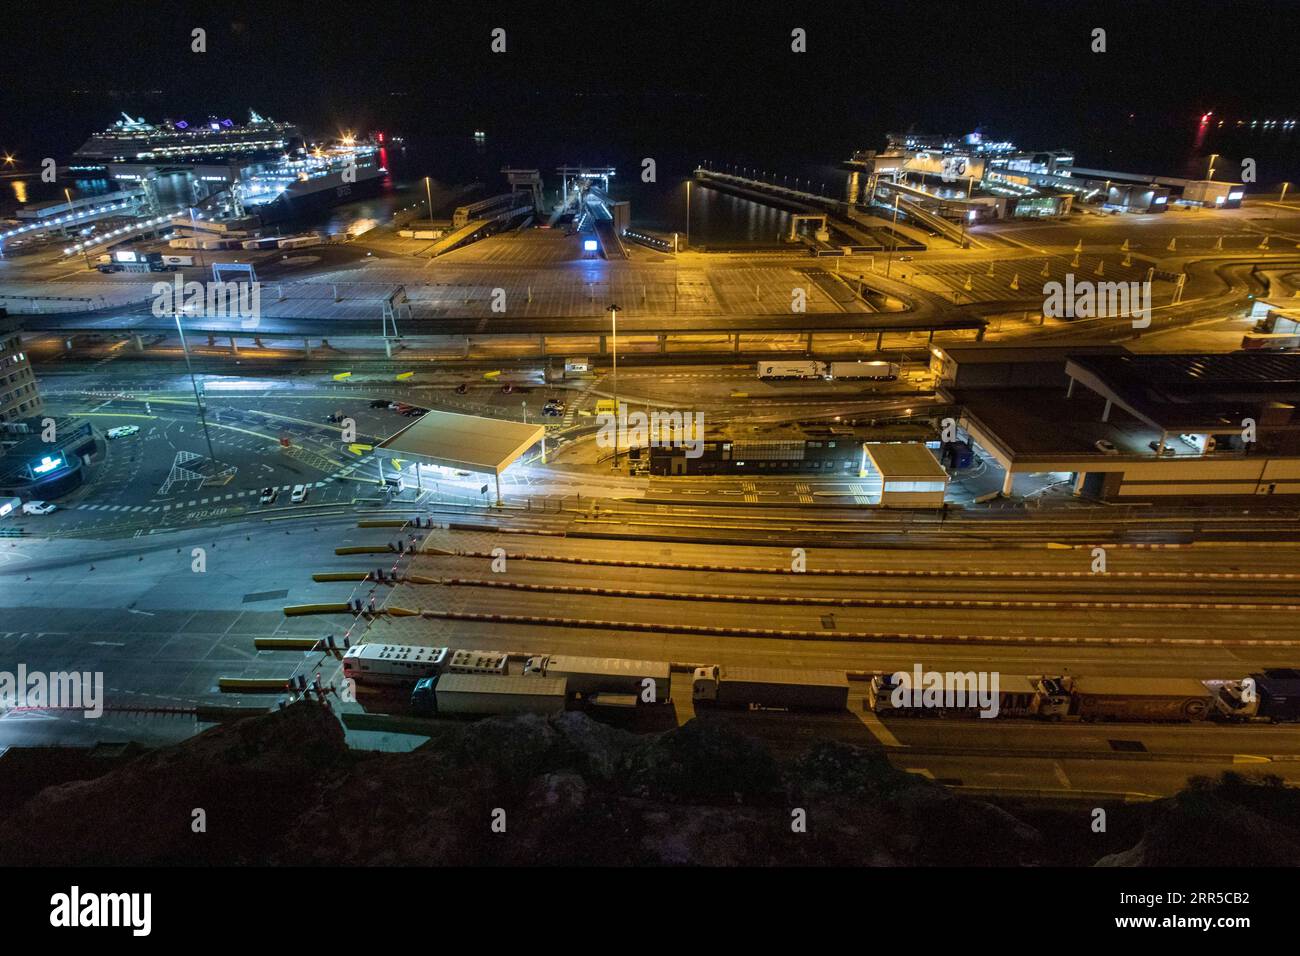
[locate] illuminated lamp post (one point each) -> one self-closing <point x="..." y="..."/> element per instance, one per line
<point x="613" y="324"/>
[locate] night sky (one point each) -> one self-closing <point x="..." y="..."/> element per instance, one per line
<point x="717" y="75"/>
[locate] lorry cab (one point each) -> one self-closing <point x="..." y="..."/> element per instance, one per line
<point x="1053" y="698"/>
<point x="704" y="683"/>
<point x="423" y="699"/>
<point x="1231" y="701"/>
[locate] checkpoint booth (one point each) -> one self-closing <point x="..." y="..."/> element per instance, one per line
<point x="909" y="475"/>
<point x="470" y="443"/>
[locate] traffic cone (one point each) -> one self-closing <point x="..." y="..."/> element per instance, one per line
<point x="1101" y="267"/>
<point x="1128" y="261"/>
<point x="1078" y="246"/>
<point x="1046" y="271"/>
<point x="1218" y="243"/>
<point x="1173" y="245"/>
<point x="967" y="286"/>
<point x="1124" y="248"/>
<point x="1015" y="282"/>
<point x="1264" y="244"/>
<point x="990" y="272"/>
<point x="1074" y="263"/>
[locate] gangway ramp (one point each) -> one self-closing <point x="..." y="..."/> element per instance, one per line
<point x="471" y="230"/>
<point x="907" y="195"/>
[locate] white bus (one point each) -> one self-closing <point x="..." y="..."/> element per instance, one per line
<point x="377" y="663"/>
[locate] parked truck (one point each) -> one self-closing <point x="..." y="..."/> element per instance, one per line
<point x="488" y="694"/>
<point x="1272" y="696"/>
<point x="598" y="677"/>
<point x="770" y="688"/>
<point x="1139" y="698"/>
<point x="878" y="371"/>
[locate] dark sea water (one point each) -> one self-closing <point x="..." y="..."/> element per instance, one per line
<point x="677" y="138"/>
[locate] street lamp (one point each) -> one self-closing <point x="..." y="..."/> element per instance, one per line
<point x="688" y="214"/>
<point x="613" y="324"/>
<point x="1282" y="198"/>
<point x="198" y="399"/>
<point x="67" y="194"/>
<point x="1209" y="175"/>
<point x="429" y="195"/>
<point x="893" y="234"/>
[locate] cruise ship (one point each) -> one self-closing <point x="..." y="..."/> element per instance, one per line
<point x="132" y="140"/>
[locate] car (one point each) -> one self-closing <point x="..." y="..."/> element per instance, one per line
<point x="904" y="258"/>
<point x="507" y="388"/>
<point x="268" y="496"/>
<point x="299" y="494"/>
<point x="1155" y="447"/>
<point x="122" y="431"/>
<point x="1106" y="447"/>
<point x="414" y="411"/>
<point x="462" y="388"/>
<point x="38" y="508"/>
<point x="379" y="403"/>
<point x="334" y="417"/>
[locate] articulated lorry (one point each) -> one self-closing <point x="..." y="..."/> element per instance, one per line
<point x="770" y="688"/>
<point x="487" y="694"/>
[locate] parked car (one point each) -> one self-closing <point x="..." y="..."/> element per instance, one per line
<point x="38" y="508"/>
<point x="268" y="496"/>
<point x="507" y="388"/>
<point x="122" y="431"/>
<point x="1106" y="447"/>
<point x="1155" y="447"/>
<point x="904" y="258"/>
<point x="379" y="403"/>
<point x="299" y="494"/>
<point x="553" y="408"/>
<point x="414" y="411"/>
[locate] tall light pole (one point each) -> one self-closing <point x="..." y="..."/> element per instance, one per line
<point x="198" y="247"/>
<point x="1282" y="198"/>
<point x="1209" y="175"/>
<point x="428" y="192"/>
<point x="67" y="194"/>
<point x="893" y="234"/>
<point x="198" y="399"/>
<point x="688" y="214"/>
<point x="613" y="324"/>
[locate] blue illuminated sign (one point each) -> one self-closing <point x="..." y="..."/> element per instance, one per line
<point x="589" y="245"/>
<point x="47" y="465"/>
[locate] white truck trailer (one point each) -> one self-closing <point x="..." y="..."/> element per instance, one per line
<point x="594" y="676"/>
<point x="876" y="371"/>
<point x="775" y="688"/>
<point x="487" y="694"/>
<point x="786" y="368"/>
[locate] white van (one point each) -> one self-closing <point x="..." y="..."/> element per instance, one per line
<point x="299" y="494"/>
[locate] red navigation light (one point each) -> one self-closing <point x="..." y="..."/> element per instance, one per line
<point x="1206" y="117"/>
<point x="381" y="137"/>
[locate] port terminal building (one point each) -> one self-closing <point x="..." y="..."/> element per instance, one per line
<point x="1124" y="426"/>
